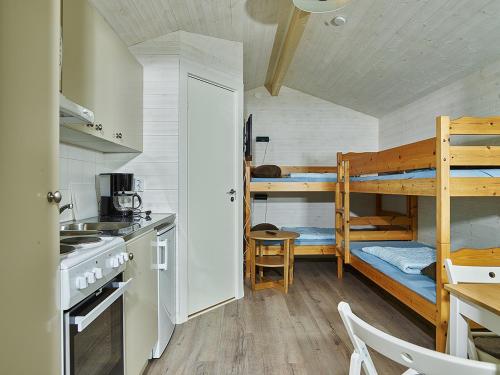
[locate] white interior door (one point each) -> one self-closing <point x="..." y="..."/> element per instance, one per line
<point x="212" y="123"/>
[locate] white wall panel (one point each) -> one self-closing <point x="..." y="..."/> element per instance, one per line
<point x="304" y="130"/>
<point x="473" y="220"/>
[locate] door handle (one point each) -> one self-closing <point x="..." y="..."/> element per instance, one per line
<point x="54" y="196"/>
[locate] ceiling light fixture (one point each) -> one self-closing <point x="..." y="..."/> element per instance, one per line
<point x="320" y="6"/>
<point x="338" y="21"/>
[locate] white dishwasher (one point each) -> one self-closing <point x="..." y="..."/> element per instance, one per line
<point x="167" y="274"/>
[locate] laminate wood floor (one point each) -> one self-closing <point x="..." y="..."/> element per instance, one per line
<point x="268" y="332"/>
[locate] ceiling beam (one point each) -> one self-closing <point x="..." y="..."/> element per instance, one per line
<point x="287" y="39"/>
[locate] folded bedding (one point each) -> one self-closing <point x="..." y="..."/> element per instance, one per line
<point x="410" y="261"/>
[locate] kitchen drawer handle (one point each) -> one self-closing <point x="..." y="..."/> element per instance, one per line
<point x="83" y="322"/>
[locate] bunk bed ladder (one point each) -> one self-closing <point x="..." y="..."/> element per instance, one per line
<point x="342" y="214"/>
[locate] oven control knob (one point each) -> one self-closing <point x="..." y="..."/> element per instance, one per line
<point x="81" y="282"/>
<point x="115" y="262"/>
<point x="97" y="272"/>
<point x="125" y="257"/>
<point x="90" y="277"/>
<point x="121" y="258"/>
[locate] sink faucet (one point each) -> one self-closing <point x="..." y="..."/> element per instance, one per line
<point x="65" y="207"/>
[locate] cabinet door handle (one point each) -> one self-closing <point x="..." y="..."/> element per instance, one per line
<point x="163" y="255"/>
<point x="55" y="196"/>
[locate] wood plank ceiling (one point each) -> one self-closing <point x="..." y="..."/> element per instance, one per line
<point x="389" y="53"/>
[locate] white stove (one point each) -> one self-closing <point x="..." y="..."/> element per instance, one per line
<point x="92" y="290"/>
<point x="89" y="267"/>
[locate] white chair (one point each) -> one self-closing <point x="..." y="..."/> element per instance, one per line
<point x="419" y="360"/>
<point x="474" y="274"/>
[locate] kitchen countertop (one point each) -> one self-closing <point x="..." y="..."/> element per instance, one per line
<point x="137" y="227"/>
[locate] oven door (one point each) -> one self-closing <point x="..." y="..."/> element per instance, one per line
<point x="94" y="333"/>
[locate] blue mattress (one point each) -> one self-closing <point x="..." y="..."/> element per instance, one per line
<point x="313" y="235"/>
<point x="309" y="236"/>
<point x="301" y="177"/>
<point x="431" y="173"/>
<point x="422" y="285"/>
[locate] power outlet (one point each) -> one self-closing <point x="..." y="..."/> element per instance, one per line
<point x="138" y="184"/>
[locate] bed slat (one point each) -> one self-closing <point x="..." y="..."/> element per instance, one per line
<point x="475" y="187"/>
<point x="476" y="257"/>
<point x="475" y="126"/>
<point x="381" y="235"/>
<point x="475" y="155"/>
<point x="291" y="186"/>
<point x="380" y="220"/>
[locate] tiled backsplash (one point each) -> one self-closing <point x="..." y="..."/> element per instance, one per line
<point x="76" y="166"/>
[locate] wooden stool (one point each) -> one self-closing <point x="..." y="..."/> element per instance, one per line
<point x="285" y="261"/>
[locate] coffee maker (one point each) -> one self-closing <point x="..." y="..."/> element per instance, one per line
<point x="117" y="196"/>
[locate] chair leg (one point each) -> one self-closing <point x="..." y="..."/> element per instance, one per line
<point x="261" y="269"/>
<point x="355" y="365"/>
<point x="292" y="260"/>
<point x="458" y="329"/>
<point x="286" y="257"/>
<point x="252" y="263"/>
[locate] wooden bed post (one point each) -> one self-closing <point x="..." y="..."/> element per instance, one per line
<point x="338" y="217"/>
<point x="247" y="219"/>
<point x="442" y="226"/>
<point x="347" y="214"/>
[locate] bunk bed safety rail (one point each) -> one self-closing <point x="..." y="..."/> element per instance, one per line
<point x="418" y="155"/>
<point x="476" y="257"/>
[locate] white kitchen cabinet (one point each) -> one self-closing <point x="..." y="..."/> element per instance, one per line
<point x="141" y="303"/>
<point x="100" y="73"/>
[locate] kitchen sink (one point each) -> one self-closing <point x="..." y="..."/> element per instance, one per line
<point x="82" y="232"/>
<point x="102" y="226"/>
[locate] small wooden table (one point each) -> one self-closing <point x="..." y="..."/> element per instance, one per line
<point x="477" y="302"/>
<point x="285" y="261"/>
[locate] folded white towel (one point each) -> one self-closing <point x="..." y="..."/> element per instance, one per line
<point x="408" y="260"/>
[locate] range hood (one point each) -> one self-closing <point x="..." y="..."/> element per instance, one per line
<point x="71" y="113"/>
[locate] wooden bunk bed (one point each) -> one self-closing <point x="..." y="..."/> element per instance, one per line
<point x="287" y="184"/>
<point x="398" y="171"/>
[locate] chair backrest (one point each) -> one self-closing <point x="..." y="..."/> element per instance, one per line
<point x="412" y="356"/>
<point x="472" y="274"/>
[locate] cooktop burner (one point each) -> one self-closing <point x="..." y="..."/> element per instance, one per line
<point x="65" y="249"/>
<point x="80" y="240"/>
